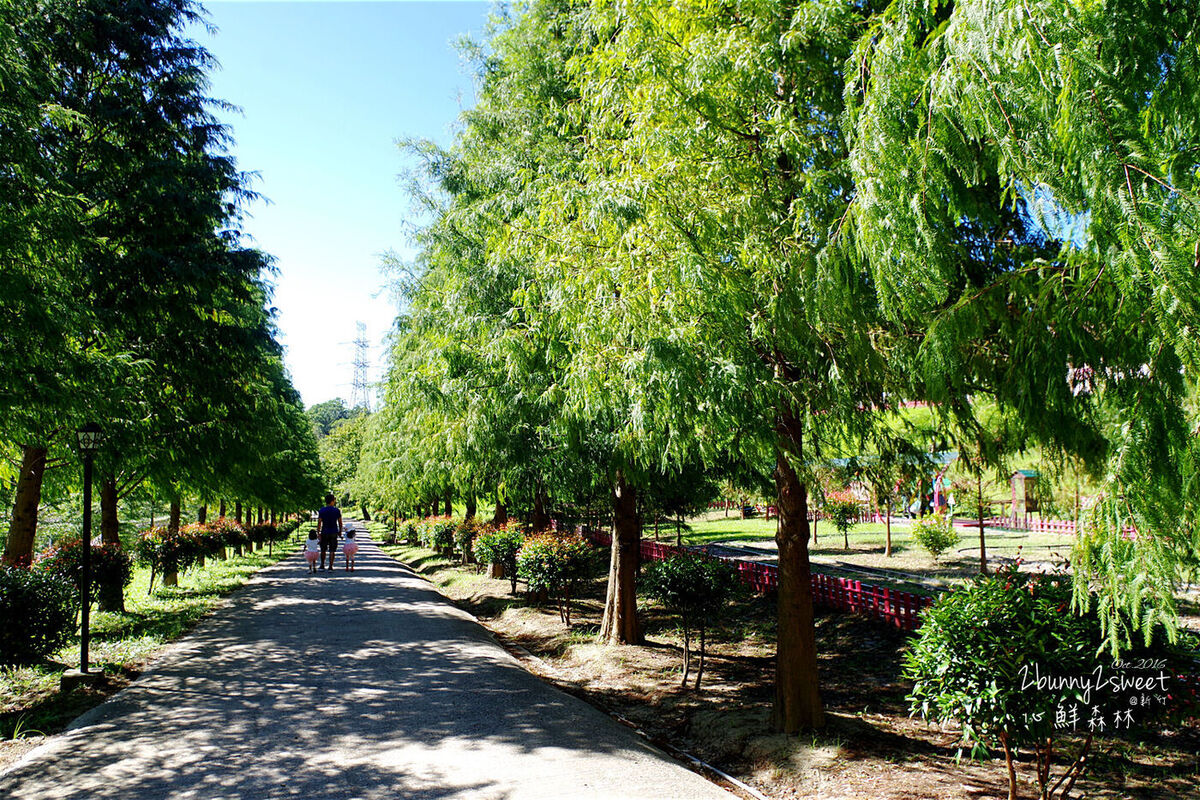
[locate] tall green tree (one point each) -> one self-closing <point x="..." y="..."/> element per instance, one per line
<point x="1073" y="121"/>
<point x="708" y="229"/>
<point x="167" y="341"/>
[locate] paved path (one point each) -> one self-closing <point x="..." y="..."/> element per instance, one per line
<point x="345" y="685"/>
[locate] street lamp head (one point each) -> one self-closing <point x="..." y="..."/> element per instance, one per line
<point x="91" y="436"/>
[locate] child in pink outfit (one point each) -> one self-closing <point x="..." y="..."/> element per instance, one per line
<point x="350" y="547"/>
<point x="312" y="549"/>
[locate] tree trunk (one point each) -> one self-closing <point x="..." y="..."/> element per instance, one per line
<point x="22" y="529"/>
<point x="621" y="624"/>
<point x="687" y="654"/>
<point x="221" y="511"/>
<point x="170" y="574"/>
<point x="501" y="515"/>
<point x="979" y="511"/>
<point x="797" y="693"/>
<point x="202" y="514"/>
<point x="541" y="521"/>
<point x="470" y="501"/>
<point x="449" y="505"/>
<point x="112" y="594"/>
<point x="176" y="513"/>
<point x="1010" y="767"/>
<point x="366" y="516"/>
<point x="887" y="524"/>
<point x="237" y="512"/>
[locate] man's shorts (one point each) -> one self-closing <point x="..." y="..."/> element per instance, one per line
<point x="329" y="541"/>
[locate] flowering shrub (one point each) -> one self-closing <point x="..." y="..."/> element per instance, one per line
<point x="410" y="530"/>
<point x="110" y="564"/>
<point x="202" y="540"/>
<point x="935" y="533"/>
<point x="230" y="532"/>
<point x="37" y="614"/>
<point x="556" y="564"/>
<point x="464" y="536"/>
<point x="695" y="588"/>
<point x="500" y="546"/>
<point x="166" y="552"/>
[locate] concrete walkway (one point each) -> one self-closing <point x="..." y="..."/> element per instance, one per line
<point x="345" y="685"/>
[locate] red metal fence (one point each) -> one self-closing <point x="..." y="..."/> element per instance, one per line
<point x="901" y="609"/>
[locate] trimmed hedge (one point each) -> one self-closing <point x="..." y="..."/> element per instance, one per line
<point x="500" y="546"/>
<point x="37" y="614"/>
<point x="557" y="564"/>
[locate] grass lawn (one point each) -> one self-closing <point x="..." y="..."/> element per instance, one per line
<point x="31" y="703"/>
<point x="867" y="546"/>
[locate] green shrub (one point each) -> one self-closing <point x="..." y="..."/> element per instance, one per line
<point x="166" y="552"/>
<point x="230" y="532"/>
<point x="425" y="532"/>
<point x="441" y="535"/>
<point x="37" y="614"/>
<point x="501" y="546"/>
<point x="410" y="530"/>
<point x="204" y="541"/>
<point x="110" y="564"/>
<point x="978" y="652"/>
<point x="556" y="564"/>
<point x="464" y="537"/>
<point x="841" y="508"/>
<point x="696" y="588"/>
<point x="935" y="533"/>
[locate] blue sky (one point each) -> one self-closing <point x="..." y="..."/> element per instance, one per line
<point x="325" y="90"/>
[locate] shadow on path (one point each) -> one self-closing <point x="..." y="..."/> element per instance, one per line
<point x="363" y="684"/>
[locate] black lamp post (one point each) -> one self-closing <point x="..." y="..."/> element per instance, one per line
<point x="90" y="438"/>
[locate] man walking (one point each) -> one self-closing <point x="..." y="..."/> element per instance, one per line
<point x="329" y="523"/>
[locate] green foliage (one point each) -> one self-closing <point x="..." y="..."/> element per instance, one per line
<point x="110" y="564"/>
<point x="441" y="534"/>
<point x="464" y="537"/>
<point x="557" y="564"/>
<point x="501" y="546"/>
<point x="37" y="614"/>
<point x="166" y="551"/>
<point x="228" y="532"/>
<point x="1041" y="145"/>
<point x="120" y="193"/>
<point x="698" y="589"/>
<point x="935" y="533"/>
<point x="341" y="452"/>
<point x="980" y="648"/>
<point x="842" y="509"/>
<point x="324" y="416"/>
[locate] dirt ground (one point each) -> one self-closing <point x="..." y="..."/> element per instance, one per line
<point x="870" y="748"/>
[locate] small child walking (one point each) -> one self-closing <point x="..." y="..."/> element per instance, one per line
<point x="312" y="551"/>
<point x="350" y="547"/>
